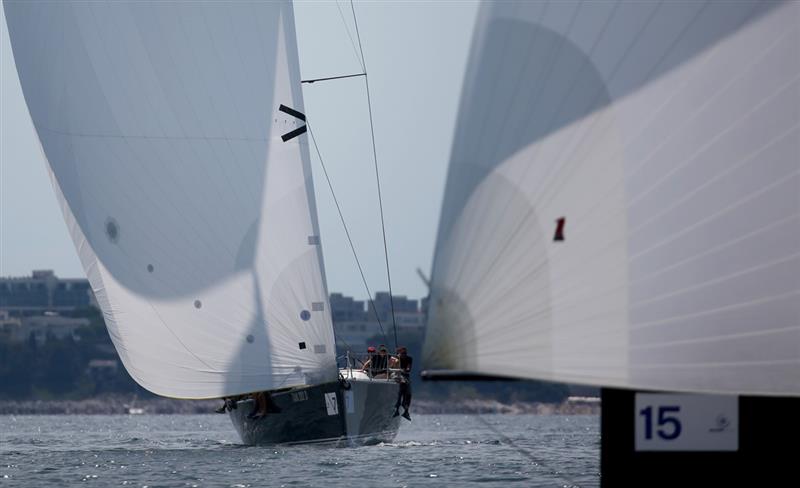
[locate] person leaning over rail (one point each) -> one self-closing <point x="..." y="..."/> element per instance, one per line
<point x="371" y="353"/>
<point x="366" y="366"/>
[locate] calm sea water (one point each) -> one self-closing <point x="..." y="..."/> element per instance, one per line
<point x="203" y="450"/>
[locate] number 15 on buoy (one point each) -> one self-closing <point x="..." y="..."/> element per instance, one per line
<point x="680" y="422"/>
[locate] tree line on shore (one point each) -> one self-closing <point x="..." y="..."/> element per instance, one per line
<point x="58" y="368"/>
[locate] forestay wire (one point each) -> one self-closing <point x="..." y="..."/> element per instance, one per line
<point x="377" y="176"/>
<point x="347" y="233"/>
<point x="377" y="179"/>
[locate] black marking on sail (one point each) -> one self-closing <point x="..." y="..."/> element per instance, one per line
<point x="317" y="306"/>
<point x="559" y="229"/>
<point x="305" y="315"/>
<point x="198" y="304"/>
<point x="294" y="113"/>
<point x="150" y="268"/>
<point x="250" y="338"/>
<point x="313" y="240"/>
<point x="112" y="230"/>
<point x="291" y="135"/>
<point x="302" y="345"/>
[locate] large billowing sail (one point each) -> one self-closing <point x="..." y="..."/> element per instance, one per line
<point x="185" y="185"/>
<point x="623" y="200"/>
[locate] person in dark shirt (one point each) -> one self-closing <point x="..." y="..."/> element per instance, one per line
<point x="404" y="394"/>
<point x="378" y="364"/>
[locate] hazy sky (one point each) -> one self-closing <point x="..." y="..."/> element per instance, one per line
<point x="415" y="54"/>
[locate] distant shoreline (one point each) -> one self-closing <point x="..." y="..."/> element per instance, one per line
<point x="114" y="405"/>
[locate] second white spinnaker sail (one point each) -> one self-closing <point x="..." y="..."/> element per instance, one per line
<point x="623" y="199"/>
<point x="174" y="135"/>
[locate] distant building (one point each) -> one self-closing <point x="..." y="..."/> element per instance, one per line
<point x="103" y="364"/>
<point x="346" y="309"/>
<point x="423" y="304"/>
<point x="44" y="292"/>
<point x="409" y="321"/>
<point x="383" y="305"/>
<point x="8" y="325"/>
<point x="355" y="326"/>
<point x="356" y="334"/>
<point x="102" y="371"/>
<point x="40" y="327"/>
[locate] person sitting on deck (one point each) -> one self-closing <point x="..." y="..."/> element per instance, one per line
<point x="371" y="353"/>
<point x="263" y="405"/>
<point x="377" y="366"/>
<point x="228" y="404"/>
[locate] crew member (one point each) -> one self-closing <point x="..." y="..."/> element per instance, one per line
<point x="404" y="394"/>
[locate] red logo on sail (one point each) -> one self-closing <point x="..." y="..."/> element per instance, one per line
<point x="559" y="229"/>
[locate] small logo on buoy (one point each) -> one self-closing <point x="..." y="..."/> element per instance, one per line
<point x="722" y="423"/>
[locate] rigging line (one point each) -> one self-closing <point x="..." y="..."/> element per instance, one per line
<point x="377" y="176"/>
<point x="346" y="230"/>
<point x="524" y="451"/>
<point x="339" y="339"/>
<point x="349" y="35"/>
<point x="333" y="78"/>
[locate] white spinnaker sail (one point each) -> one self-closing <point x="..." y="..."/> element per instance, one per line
<point x="194" y="220"/>
<point x="663" y="137"/>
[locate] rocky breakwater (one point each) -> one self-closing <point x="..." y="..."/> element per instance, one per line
<point x="107" y="405"/>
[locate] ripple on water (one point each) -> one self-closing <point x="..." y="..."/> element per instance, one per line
<point x="440" y="450"/>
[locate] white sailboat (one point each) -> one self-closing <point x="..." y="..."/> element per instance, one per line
<point x="174" y="135"/>
<point x="623" y="210"/>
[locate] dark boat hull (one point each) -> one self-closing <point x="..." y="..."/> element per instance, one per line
<point x="350" y="413"/>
